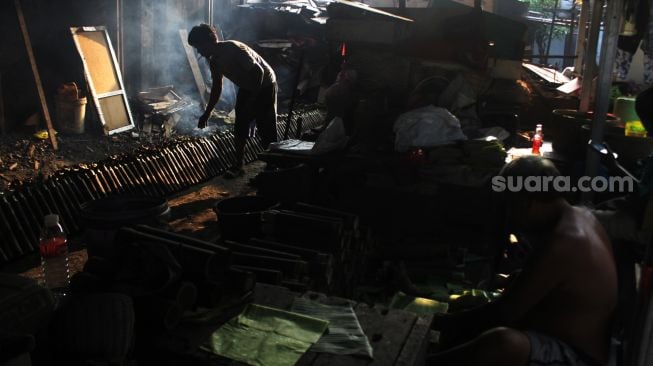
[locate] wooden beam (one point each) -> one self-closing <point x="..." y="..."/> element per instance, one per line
<point x="589" y="70"/>
<point x="37" y="77"/>
<point x="194" y="67"/>
<point x="3" y="123"/>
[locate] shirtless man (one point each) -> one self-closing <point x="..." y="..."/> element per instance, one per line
<point x="558" y="311"/>
<point x="257" y="88"/>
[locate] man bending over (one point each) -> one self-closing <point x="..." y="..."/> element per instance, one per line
<point x="257" y="88"/>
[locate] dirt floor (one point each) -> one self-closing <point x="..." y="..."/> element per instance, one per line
<point x="192" y="211"/>
<point x="24" y="157"/>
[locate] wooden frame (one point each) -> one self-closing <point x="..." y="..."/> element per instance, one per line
<point x="104" y="78"/>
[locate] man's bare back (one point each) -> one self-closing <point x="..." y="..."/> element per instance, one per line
<point x="559" y="309"/>
<point x="578" y="309"/>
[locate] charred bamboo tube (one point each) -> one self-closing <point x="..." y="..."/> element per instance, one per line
<point x="165" y="173"/>
<point x="61" y="205"/>
<point x="71" y="193"/>
<point x="29" y="222"/>
<point x="290" y="268"/>
<point x="20" y="238"/>
<point x="213" y="155"/>
<point x="55" y="206"/>
<point x="202" y="148"/>
<point x="97" y="183"/>
<point x="169" y="168"/>
<point x="184" y="178"/>
<point x="107" y="178"/>
<point x="110" y="172"/>
<point x="125" y="182"/>
<point x="198" y="264"/>
<point x="108" y="189"/>
<point x="34" y="205"/>
<point x="258" y="250"/>
<point x="194" y="162"/>
<point x="222" y="251"/>
<point x="207" y="165"/>
<point x="135" y="177"/>
<point x="148" y="179"/>
<point x="165" y="186"/>
<point x="187" y="164"/>
<point x="221" y="157"/>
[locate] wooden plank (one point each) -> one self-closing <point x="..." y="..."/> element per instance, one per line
<point x="3" y="123"/>
<point x="194" y="67"/>
<point x="37" y="77"/>
<point x="414" y="350"/>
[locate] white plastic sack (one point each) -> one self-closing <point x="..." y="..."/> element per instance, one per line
<point x="333" y="138"/>
<point x="426" y="127"/>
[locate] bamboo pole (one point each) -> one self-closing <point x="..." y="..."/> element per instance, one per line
<point x="589" y="69"/>
<point x="37" y="77"/>
<point x="604" y="84"/>
<point x="581" y="42"/>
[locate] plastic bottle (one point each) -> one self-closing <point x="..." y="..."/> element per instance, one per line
<point x="538" y="139"/>
<point x="53" y="246"/>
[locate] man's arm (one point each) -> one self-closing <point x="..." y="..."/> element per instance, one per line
<point x="216" y="91"/>
<point x="545" y="271"/>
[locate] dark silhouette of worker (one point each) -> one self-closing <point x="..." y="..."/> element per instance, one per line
<point x="558" y="310"/>
<point x="257" y="88"/>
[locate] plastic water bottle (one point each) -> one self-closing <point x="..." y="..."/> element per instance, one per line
<point x="53" y="246"/>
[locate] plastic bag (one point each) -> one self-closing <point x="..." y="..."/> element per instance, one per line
<point x="426" y="127"/>
<point x="333" y="138"/>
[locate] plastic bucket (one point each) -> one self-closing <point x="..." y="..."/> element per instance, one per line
<point x="239" y="218"/>
<point x="565" y="130"/>
<point x="102" y="218"/>
<point x="70" y="114"/>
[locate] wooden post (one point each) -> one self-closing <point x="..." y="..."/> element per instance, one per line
<point x="194" y="67"/>
<point x="3" y="126"/>
<point x="604" y="84"/>
<point x="582" y="32"/>
<point x="590" y="57"/>
<point x="37" y="77"/>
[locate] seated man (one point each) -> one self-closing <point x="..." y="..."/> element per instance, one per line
<point x="558" y="310"/>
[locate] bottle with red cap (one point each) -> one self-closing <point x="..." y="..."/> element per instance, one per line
<point x="53" y="246"/>
<point x="538" y="140"/>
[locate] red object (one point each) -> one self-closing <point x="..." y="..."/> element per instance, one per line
<point x="343" y="50"/>
<point x="537" y="144"/>
<point x="52" y="247"/>
<point x="538" y="140"/>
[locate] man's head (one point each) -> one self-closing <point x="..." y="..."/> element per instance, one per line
<point x="644" y="108"/>
<point x="527" y="205"/>
<point x="202" y="37"/>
